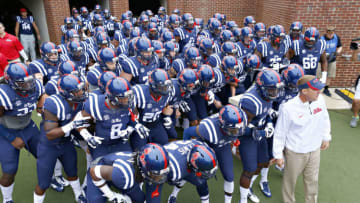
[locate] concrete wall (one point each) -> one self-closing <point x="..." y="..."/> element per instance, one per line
<point x="37" y="8"/>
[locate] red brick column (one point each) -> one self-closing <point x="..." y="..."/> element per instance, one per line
<point x="117" y="7"/>
<point x="56" y="11"/>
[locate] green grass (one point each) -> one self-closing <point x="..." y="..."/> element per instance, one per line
<point x="339" y="177"/>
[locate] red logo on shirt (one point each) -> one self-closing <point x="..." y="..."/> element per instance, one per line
<point x="317" y="110"/>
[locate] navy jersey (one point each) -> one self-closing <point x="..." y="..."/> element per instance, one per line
<point x="270" y="55"/>
<point x="308" y="58"/>
<point x="162" y="20"/>
<point x="186" y="36"/>
<point x="285" y="96"/>
<point x="109" y="122"/>
<point x="253" y="102"/>
<point x="25" y="25"/>
<point x="243" y="50"/>
<point x="211" y="133"/>
<point x="138" y="71"/>
<point x="220" y="81"/>
<point x="149" y="109"/>
<point x="123" y="173"/>
<point x="178" y="153"/>
<point x="215" y="60"/>
<point x="208" y="34"/>
<point x="178" y="96"/>
<point x="51" y="87"/>
<point x="48" y="71"/>
<point x="16" y="105"/>
<point x="95" y="72"/>
<point x="65" y="28"/>
<point x="59" y="107"/>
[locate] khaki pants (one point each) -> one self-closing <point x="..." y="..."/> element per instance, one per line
<point x="307" y="164"/>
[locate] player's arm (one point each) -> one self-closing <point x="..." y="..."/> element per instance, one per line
<point x="36" y="30"/>
<point x="40" y="104"/>
<point x="125" y="75"/>
<point x="324" y="62"/>
<point x="258" y="53"/>
<point x="17" y="29"/>
<point x="51" y="126"/>
<point x="290" y="54"/>
<point x="2" y="111"/>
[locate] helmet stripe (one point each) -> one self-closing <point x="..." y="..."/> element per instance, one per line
<point x="123" y="80"/>
<point x="73" y="76"/>
<point x="162" y="152"/>
<point x="208" y="153"/>
<point x="237" y="112"/>
<point x="72" y="65"/>
<point x="276" y="73"/>
<point x="24" y="69"/>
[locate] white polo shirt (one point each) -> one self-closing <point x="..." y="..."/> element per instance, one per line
<point x="301" y="127"/>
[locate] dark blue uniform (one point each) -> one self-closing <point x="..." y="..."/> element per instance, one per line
<point x="243" y="50"/>
<point x="109" y="123"/>
<point x="253" y="152"/>
<point x="123" y="178"/>
<point x="186" y="36"/>
<point x="138" y="71"/>
<point x="25" y="25"/>
<point x="16" y="122"/>
<point x="40" y="66"/>
<point x="270" y="55"/>
<point x="60" y="148"/>
<point x="308" y="58"/>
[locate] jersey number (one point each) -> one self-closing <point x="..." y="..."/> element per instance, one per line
<point x="310" y="62"/>
<point x="26" y="26"/>
<point x="115" y="131"/>
<point x="26" y="110"/>
<point x="151" y="117"/>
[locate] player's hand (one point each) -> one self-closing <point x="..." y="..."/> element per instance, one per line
<point x="273" y="114"/>
<point x="167" y="122"/>
<point x="124" y="134"/>
<point x="269" y="130"/>
<point x="280" y="162"/>
<point x="94" y="141"/>
<point x="18" y="143"/>
<point x="177" y="113"/>
<point x="80" y="121"/>
<point x="184" y="106"/>
<point x="325" y="145"/>
<point x="142" y="130"/>
<point x="168" y="110"/>
<point x="120" y="198"/>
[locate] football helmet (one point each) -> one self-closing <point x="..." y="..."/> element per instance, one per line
<point x="269" y="84"/>
<point x="160" y="82"/>
<point x="72" y="88"/>
<point x="20" y="78"/>
<point x="202" y="161"/>
<point x="119" y="92"/>
<point x="291" y="75"/>
<point x="233" y="120"/>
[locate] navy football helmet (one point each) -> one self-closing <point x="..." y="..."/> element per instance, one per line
<point x="102" y="39"/>
<point x="153" y="161"/>
<point x="98" y="20"/>
<point x="160" y="82"/>
<point x="230" y="66"/>
<point x="126" y="28"/>
<point x="214" y="26"/>
<point x="199" y="23"/>
<point x="19" y="78"/>
<point x="233" y="120"/>
<point x="75" y="50"/>
<point x="249" y="21"/>
<point x="269" y="84"/>
<point x="149" y="13"/>
<point x="295" y="29"/>
<point x="228" y="48"/>
<point x="311" y="36"/>
<point x="260" y="30"/>
<point x="134" y="33"/>
<point x="188" y="80"/>
<point x="188" y="21"/>
<point x="176" y="66"/>
<point x="237" y="34"/>
<point x="84" y="11"/>
<point x="107" y="59"/>
<point x="277" y="35"/>
<point x="202" y="161"/>
<point x="171" y="49"/>
<point x="72" y="88"/>
<point x="192" y="57"/>
<point x="49" y="53"/>
<point x="206" y="75"/>
<point x="72" y="34"/>
<point x="226" y="35"/>
<point x="291" y="75"/>
<point x="231" y="25"/>
<point x="253" y="63"/>
<point x="68" y="21"/>
<point x="167" y="36"/>
<point x="104" y="78"/>
<point x="174" y="21"/>
<point x="161" y="10"/>
<point x="247" y="35"/>
<point x="119" y="92"/>
<point x="152" y="30"/>
<point x="68" y="67"/>
<point x="158" y="48"/>
<point x="144" y="49"/>
<point x="144" y="20"/>
<point x="176" y="11"/>
<point x="206" y="46"/>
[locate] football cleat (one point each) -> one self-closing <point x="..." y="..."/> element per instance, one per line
<point x="354" y="122"/>
<point x="81" y="199"/>
<point x="58" y="187"/>
<point x="172" y="199"/>
<point x="62" y="181"/>
<point x="253" y="197"/>
<point x="265" y="188"/>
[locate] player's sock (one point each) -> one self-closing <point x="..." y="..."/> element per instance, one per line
<point x="58" y="168"/>
<point x="243" y="194"/>
<point x="253" y="180"/>
<point x="175" y="191"/>
<point x="264" y="175"/>
<point x="7" y="192"/>
<point x="39" y="198"/>
<point x="88" y="162"/>
<point x="228" y="188"/>
<point x="204" y="199"/>
<point x="75" y="184"/>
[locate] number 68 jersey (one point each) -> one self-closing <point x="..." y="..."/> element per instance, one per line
<point x="308" y="58"/>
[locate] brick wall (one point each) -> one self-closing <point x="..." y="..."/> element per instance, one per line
<point x="56" y="11"/>
<point x="117" y="7"/>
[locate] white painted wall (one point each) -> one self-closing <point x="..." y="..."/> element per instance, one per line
<point x="38" y="11"/>
<point x="104" y="4"/>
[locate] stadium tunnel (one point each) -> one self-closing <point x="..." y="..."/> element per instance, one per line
<point x="137" y="6"/>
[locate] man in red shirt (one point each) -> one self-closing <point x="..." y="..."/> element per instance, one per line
<point x="11" y="47"/>
<point x="3" y="64"/>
